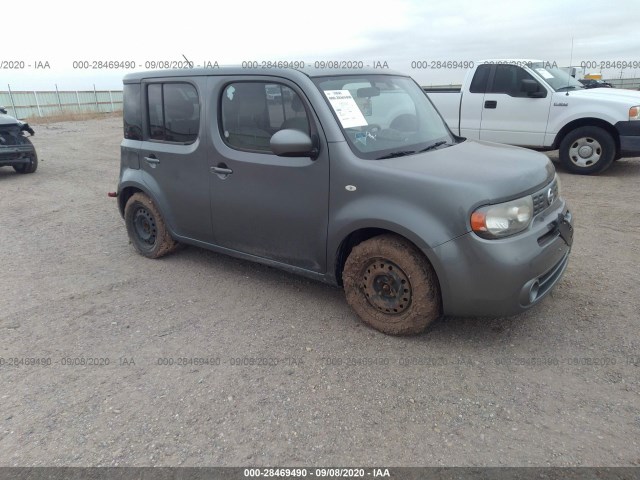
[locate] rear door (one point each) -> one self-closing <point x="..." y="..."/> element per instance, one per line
<point x="509" y="115"/>
<point x="173" y="154"/>
<point x="261" y="204"/>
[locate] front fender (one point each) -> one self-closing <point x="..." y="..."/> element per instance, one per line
<point x="417" y="225"/>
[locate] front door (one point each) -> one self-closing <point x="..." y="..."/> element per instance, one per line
<point x="509" y="115"/>
<point x="261" y="204"/>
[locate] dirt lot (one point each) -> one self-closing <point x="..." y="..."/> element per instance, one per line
<point x="558" y="385"/>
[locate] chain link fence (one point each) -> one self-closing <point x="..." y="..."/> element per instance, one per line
<point x="43" y="103"/>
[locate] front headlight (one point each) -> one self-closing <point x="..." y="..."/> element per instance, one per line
<point x="634" y="113"/>
<point x="502" y="219"/>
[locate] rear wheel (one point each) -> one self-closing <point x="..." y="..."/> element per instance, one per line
<point x="587" y="150"/>
<point x="29" y="167"/>
<point x="391" y="285"/>
<point x="146" y="227"/>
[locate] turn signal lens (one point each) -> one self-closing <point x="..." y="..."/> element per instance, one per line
<point x="634" y="113"/>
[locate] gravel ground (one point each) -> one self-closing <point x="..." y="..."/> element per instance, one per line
<point x="558" y="385"/>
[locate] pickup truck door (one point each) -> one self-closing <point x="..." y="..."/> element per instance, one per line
<point x="262" y="204"/>
<point x="510" y="114"/>
<point x="472" y="103"/>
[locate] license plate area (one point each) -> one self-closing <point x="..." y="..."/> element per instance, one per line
<point x="564" y="227"/>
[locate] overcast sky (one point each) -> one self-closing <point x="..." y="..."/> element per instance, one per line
<point x="397" y="32"/>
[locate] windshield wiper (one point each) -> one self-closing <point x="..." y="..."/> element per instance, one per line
<point x="397" y="154"/>
<point x="433" y="146"/>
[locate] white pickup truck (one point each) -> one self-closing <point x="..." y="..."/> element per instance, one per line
<point x="533" y="104"/>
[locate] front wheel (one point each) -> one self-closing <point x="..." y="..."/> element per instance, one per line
<point x="146" y="227"/>
<point x="391" y="285"/>
<point x="587" y="150"/>
<point x="29" y="167"/>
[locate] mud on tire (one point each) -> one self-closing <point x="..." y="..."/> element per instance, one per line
<point x="391" y="285"/>
<point x="146" y="227"/>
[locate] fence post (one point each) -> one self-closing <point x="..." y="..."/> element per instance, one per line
<point x="35" y="94"/>
<point x="58" y="95"/>
<point x="78" y="100"/>
<point x="111" y="99"/>
<point x="13" y="104"/>
<point x="95" y="94"/>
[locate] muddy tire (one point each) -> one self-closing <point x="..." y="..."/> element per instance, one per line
<point x="391" y="285"/>
<point x="146" y="227"/>
<point x="587" y="150"/>
<point x="30" y="167"/>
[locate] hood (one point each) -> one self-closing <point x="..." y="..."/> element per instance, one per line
<point x="629" y="97"/>
<point x="483" y="172"/>
<point x="7" y="120"/>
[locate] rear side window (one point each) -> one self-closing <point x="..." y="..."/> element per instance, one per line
<point x="132" y="115"/>
<point x="253" y="111"/>
<point x="480" y="79"/>
<point x="173" y="112"/>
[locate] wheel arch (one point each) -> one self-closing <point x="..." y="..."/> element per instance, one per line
<point x="586" y="122"/>
<point x="125" y="194"/>
<point x="365" y="233"/>
<point x="127" y="189"/>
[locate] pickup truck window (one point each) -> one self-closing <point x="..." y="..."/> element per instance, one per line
<point x="253" y="111"/>
<point x="173" y="112"/>
<point x="383" y="115"/>
<point x="480" y="79"/>
<point x="507" y="80"/>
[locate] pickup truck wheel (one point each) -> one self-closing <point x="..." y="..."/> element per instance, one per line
<point x="30" y="167"/>
<point x="391" y="285"/>
<point x="587" y="150"/>
<point x="146" y="227"/>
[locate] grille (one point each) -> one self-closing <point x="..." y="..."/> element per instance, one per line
<point x="541" y="198"/>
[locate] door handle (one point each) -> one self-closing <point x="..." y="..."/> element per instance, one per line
<point x="222" y="171"/>
<point x="152" y="161"/>
<point x="491" y="104"/>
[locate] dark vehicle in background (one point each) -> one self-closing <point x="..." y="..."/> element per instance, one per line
<point x="592" y="83"/>
<point x="16" y="150"/>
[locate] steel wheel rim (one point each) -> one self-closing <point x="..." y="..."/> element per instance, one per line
<point x="145" y="226"/>
<point x="585" y="152"/>
<point x="386" y="286"/>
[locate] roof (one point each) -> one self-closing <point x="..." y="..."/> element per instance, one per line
<point x="290" y="73"/>
<point x="514" y="61"/>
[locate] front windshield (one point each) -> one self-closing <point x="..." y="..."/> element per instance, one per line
<point x="558" y="79"/>
<point x="383" y="116"/>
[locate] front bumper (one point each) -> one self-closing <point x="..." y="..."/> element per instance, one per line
<point x="629" y="133"/>
<point x="503" y="277"/>
<point x="15" y="154"/>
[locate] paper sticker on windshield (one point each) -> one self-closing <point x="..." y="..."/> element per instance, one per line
<point x="545" y="74"/>
<point x="346" y="108"/>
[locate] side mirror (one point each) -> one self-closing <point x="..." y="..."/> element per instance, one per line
<point x="292" y="143"/>
<point x="532" y="88"/>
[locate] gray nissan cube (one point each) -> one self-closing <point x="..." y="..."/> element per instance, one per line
<point x="348" y="177"/>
